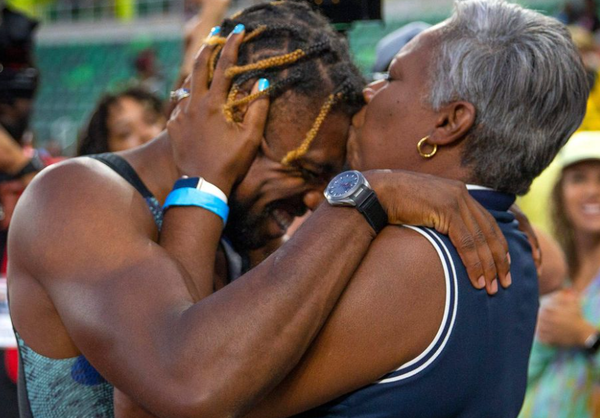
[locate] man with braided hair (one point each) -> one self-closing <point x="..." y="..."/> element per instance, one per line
<point x="121" y="309"/>
<point x="312" y="79"/>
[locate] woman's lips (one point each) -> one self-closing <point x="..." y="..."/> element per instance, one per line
<point x="592" y="209"/>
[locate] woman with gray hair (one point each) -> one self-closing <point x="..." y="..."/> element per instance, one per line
<point x="487" y="97"/>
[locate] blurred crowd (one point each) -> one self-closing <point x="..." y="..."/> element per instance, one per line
<point x="564" y="203"/>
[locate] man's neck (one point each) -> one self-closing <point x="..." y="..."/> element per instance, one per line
<point x="154" y="163"/>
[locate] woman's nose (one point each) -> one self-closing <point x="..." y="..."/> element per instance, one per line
<point x="372" y="89"/>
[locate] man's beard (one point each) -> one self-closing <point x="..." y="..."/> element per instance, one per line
<point x="243" y="229"/>
<point x="248" y="232"/>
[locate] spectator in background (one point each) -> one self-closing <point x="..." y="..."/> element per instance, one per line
<point x="590" y="54"/>
<point x="197" y="29"/>
<point x="584" y="14"/>
<point x="123" y="121"/>
<point x="589" y="18"/>
<point x="564" y="370"/>
<point x="148" y="74"/>
<point x="210" y="14"/>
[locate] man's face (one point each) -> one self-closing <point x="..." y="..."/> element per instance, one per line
<point x="385" y="133"/>
<point x="271" y="195"/>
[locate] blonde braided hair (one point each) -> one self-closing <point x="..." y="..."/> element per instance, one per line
<point x="300" y="33"/>
<point x="312" y="134"/>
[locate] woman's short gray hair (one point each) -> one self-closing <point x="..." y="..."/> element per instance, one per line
<point x="524" y="76"/>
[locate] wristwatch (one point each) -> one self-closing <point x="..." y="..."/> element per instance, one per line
<point x="351" y="188"/>
<point x="592" y="343"/>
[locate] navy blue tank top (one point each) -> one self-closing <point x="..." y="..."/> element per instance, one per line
<point x="476" y="366"/>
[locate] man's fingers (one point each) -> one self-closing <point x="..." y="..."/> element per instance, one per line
<point x="256" y="115"/>
<point x="221" y="82"/>
<point x="464" y="242"/>
<point x="495" y="240"/>
<point x="198" y="80"/>
<point x="174" y="124"/>
<point x="484" y="253"/>
<point x="174" y="114"/>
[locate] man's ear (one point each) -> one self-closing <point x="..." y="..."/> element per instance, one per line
<point x="453" y="123"/>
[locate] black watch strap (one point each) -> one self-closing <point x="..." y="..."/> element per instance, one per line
<point x="373" y="211"/>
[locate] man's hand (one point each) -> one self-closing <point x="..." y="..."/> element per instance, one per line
<point x="204" y="142"/>
<point x="561" y="322"/>
<point x="446" y="206"/>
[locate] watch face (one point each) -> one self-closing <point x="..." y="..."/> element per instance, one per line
<point x="343" y="185"/>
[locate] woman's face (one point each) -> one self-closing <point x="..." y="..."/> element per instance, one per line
<point x="581" y="192"/>
<point x="386" y="132"/>
<point x="131" y="124"/>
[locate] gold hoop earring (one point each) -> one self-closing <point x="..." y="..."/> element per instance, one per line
<point x="420" y="148"/>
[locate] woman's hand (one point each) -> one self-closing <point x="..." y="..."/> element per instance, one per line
<point x="204" y="142"/>
<point x="445" y="205"/>
<point x="561" y="322"/>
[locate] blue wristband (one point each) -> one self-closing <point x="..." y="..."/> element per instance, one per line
<point x="187" y="196"/>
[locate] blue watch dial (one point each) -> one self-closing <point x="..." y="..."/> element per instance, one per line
<point x="343" y="185"/>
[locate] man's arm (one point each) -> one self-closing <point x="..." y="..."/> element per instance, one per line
<point x="126" y="305"/>
<point x="124" y="300"/>
<point x="446" y="206"/>
<point x="388" y="315"/>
